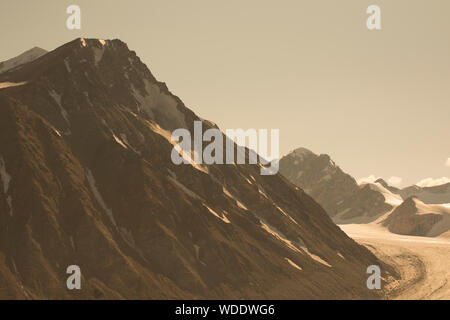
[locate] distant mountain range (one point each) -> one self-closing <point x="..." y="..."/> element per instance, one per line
<point x="348" y="202"/>
<point x="433" y="195"/>
<point x="25" y="57"/>
<point x="87" y="180"/>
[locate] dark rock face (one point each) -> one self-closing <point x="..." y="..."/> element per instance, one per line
<point x="337" y="192"/>
<point x="409" y="219"/>
<point x="87" y="180"/>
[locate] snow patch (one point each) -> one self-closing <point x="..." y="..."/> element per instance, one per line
<point x="292" y="263"/>
<point x="185" y="189"/>
<point x="229" y="195"/>
<point x="423" y="208"/>
<point x="120" y="141"/>
<point x="221" y="217"/>
<point x="327" y="177"/>
<point x="197" y="254"/>
<point x="124" y="138"/>
<point x="168" y="136"/>
<point x="69" y="70"/>
<point x="86" y="94"/>
<point x="72" y="243"/>
<point x="285" y="213"/>
<point x="172" y="174"/>
<point x="6" y="179"/>
<point x="9" y="202"/>
<point x="98" y="54"/>
<point x="98" y="196"/>
<point x="57" y="132"/>
<point x="261" y="192"/>
<point x="278" y="235"/>
<point x="13" y="262"/>
<point x="11" y="84"/>
<point x="241" y="205"/>
<point x="342" y="212"/>
<point x="390" y="198"/>
<point x="127" y="236"/>
<point x="246" y="179"/>
<point x="431" y="182"/>
<point x="57" y="97"/>
<point x="316" y="257"/>
<point x="155" y="101"/>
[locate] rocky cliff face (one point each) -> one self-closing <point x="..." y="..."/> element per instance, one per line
<point x="413" y="217"/>
<point x="403" y="211"/>
<point x="335" y="190"/>
<point x="87" y="180"/>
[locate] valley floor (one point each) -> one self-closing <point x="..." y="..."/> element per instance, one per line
<point x="424" y="263"/>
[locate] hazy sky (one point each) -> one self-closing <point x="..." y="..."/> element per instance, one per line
<point x="377" y="101"/>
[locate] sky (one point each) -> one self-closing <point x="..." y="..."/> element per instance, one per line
<point x="376" y="101"/>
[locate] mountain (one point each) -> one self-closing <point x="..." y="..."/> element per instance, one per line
<point x="385" y="185"/>
<point x="338" y="192"/>
<point x="439" y="194"/>
<point x="87" y="180"/>
<point x="403" y="211"/>
<point x="431" y="195"/>
<point x="27" y="56"/>
<point x="413" y="217"/>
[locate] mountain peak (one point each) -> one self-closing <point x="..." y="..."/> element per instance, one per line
<point x="25" y="57"/>
<point x="90" y="135"/>
<point x="382" y="182"/>
<point x="86" y="42"/>
<point x="99" y="69"/>
<point x="302" y="152"/>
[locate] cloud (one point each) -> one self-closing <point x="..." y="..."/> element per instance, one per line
<point x="370" y="179"/>
<point x="395" y="181"/>
<point x="447" y="163"/>
<point x="430" y="182"/>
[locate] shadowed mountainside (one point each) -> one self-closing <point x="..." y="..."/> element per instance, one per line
<point x="87" y="180"/>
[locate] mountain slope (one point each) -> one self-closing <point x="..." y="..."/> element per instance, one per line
<point x="413" y="217"/>
<point x="338" y="192"/>
<point x="431" y="195"/>
<point x="87" y="180"/>
<point x="27" y="56"/>
<point x="347" y="202"/>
